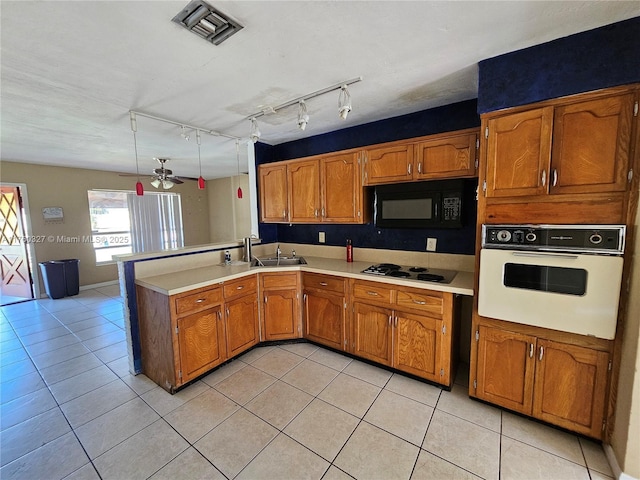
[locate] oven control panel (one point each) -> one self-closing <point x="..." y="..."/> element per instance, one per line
<point x="607" y="239"/>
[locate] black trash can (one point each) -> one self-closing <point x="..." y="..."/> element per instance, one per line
<point x="53" y="278"/>
<point x="71" y="276"/>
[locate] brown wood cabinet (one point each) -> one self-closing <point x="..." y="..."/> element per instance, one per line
<point x="280" y="317"/>
<point x="562" y="148"/>
<point x="274" y="205"/>
<point x="325" y="305"/>
<point x="303" y="191"/>
<point x="241" y="314"/>
<point x="447" y="156"/>
<point x="559" y="382"/>
<point x="408" y="329"/>
<point x="182" y="336"/>
<point x="388" y="164"/>
<point x="342" y="192"/>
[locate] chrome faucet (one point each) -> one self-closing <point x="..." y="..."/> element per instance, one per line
<point x="278" y="253"/>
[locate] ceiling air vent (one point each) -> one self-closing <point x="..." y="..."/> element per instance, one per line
<point x="207" y="22"/>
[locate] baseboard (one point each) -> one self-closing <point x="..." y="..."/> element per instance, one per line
<point x="613" y="462"/>
<point x="98" y="285"/>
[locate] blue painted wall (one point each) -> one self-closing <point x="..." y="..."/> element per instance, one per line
<point x="437" y="120"/>
<point x="604" y="57"/>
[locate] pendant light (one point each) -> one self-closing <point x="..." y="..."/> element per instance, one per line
<point x="200" y="179"/>
<point x="134" y="129"/>
<point x="238" y="161"/>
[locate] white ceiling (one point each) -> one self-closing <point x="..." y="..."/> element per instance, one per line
<point x="72" y="70"/>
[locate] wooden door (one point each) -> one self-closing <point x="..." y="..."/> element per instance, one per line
<point x="570" y="386"/>
<point x="241" y="324"/>
<point x="273" y="193"/>
<point x="341" y="189"/>
<point x="518" y="153"/>
<point x="280" y="314"/>
<point x="591" y="142"/>
<point x="14" y="265"/>
<point x="324" y="318"/>
<point x="201" y="342"/>
<point x="389" y="164"/>
<point x="372" y="330"/>
<point x="303" y="181"/>
<point x="417" y="345"/>
<point x="451" y="156"/>
<point x="505" y="368"/>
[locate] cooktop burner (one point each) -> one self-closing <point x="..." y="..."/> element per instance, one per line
<point x="411" y="273"/>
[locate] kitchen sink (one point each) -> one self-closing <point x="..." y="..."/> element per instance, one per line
<point x="275" y="262"/>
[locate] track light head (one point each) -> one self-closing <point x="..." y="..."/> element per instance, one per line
<point x="303" y="117"/>
<point x="184" y="134"/>
<point x="344" y="102"/>
<point x="255" y="131"/>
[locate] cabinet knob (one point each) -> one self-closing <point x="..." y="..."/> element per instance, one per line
<point x="420" y="168"/>
<point x="409" y="169"/>
<point x="324" y="284"/>
<point x="373" y="294"/>
<point x="555" y="177"/>
<point x="420" y="302"/>
<point x="531" y="350"/>
<point x="544" y="178"/>
<point x="390" y="320"/>
<point x="240" y="287"/>
<point x="200" y="300"/>
<point x="541" y="352"/>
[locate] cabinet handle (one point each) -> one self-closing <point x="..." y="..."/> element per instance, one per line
<point x="420" y="168"/>
<point x="284" y="214"/>
<point x="240" y="287"/>
<point x="200" y="300"/>
<point x="390" y="320"/>
<point x="322" y="212"/>
<point x="395" y="322"/>
<point x="227" y="312"/>
<point x="420" y="302"/>
<point x="316" y="213"/>
<point x="409" y="169"/>
<point x="219" y="314"/>
<point x="544" y="178"/>
<point x="265" y="299"/>
<point x="555" y="177"/>
<point x="531" y="350"/>
<point x="541" y="352"/>
<point x="373" y="294"/>
<point x="324" y="284"/>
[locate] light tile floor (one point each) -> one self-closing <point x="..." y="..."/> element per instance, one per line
<point x="70" y="409"/>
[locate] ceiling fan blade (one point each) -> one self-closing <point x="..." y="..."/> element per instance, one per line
<point x="186" y="178"/>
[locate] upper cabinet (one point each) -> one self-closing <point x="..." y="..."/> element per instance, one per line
<point x="318" y="189"/>
<point x="564" y="148"/>
<point x="445" y="155"/>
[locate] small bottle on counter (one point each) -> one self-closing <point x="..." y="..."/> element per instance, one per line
<point x="227" y="257"/>
<point x="349" y="251"/>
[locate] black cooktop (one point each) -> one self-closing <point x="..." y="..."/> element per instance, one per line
<point x="412" y="273"/>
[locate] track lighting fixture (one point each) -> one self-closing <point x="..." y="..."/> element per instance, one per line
<point x="344" y="102"/>
<point x="184" y="134"/>
<point x="303" y="118"/>
<point x="344" y="106"/>
<point x="255" y="131"/>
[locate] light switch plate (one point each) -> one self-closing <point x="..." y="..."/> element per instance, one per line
<point x="431" y="244"/>
<point x="321" y="237"/>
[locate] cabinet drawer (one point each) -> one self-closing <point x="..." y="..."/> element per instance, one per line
<point x="378" y="292"/>
<point x="198" y="301"/>
<point x="324" y="282"/>
<point x="423" y="300"/>
<point x="242" y="286"/>
<point x="279" y="280"/>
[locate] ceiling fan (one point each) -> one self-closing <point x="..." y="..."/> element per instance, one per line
<point x="163" y="177"/>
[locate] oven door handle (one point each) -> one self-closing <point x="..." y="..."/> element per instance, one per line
<point x="538" y="255"/>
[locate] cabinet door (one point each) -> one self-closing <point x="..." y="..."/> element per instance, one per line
<point x="518" y="153"/>
<point x="280" y="314"/>
<point x="303" y="180"/>
<point x="570" y="386"/>
<point x="341" y="189"/>
<point x="505" y="368"/>
<point x="388" y="164"/>
<point x="273" y="193"/>
<point x="453" y="156"/>
<point x="417" y="345"/>
<point x="324" y="318"/>
<point x="372" y="330"/>
<point x="241" y="324"/>
<point x="591" y="142"/>
<point x="201" y="342"/>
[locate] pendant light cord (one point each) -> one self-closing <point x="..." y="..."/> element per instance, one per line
<point x="199" y="161"/>
<point x="238" y="155"/>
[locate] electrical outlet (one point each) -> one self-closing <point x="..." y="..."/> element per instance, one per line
<point x="431" y="244"/>
<point x="321" y="237"/>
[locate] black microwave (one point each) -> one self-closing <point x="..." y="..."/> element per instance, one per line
<point x="432" y="204"/>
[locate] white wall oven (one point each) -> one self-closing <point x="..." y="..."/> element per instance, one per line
<point x="561" y="277"/>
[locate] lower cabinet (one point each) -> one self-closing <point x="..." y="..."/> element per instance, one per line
<point x="405" y="328"/>
<point x="241" y="314"/>
<point x="324" y="310"/>
<point x="280" y="319"/>
<point x="555" y="381"/>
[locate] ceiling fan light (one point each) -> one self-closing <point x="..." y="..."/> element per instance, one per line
<point x="139" y="189"/>
<point x="200" y="183"/>
<point x="167" y="184"/>
<point x="155" y="183"/>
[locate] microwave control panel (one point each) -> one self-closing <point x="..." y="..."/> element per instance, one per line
<point x="451" y="208"/>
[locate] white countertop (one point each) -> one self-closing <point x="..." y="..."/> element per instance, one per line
<point x="185" y="280"/>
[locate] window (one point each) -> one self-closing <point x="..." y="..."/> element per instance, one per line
<point x="122" y="222"/>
